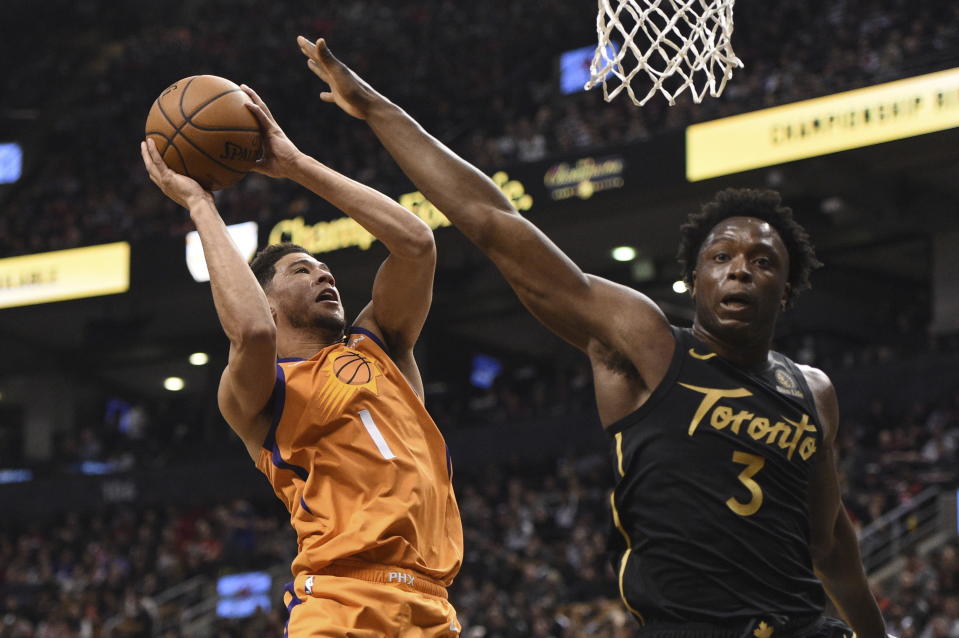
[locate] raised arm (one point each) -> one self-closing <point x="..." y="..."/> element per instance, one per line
<point x="241" y="305"/>
<point x="403" y="288"/>
<point x="578" y="307"/>
<point x="835" y="548"/>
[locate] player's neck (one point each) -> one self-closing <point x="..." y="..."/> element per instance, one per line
<point x="751" y="348"/>
<point x="303" y="344"/>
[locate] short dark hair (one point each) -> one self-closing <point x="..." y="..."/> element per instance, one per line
<point x="264" y="263"/>
<point x="762" y="204"/>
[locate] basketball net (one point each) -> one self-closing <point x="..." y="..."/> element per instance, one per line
<point x="685" y="42"/>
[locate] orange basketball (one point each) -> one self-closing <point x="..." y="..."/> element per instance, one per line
<point x="203" y="130"/>
<point x="352" y="369"/>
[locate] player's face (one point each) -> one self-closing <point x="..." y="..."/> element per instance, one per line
<point x="304" y="292"/>
<point x="740" y="281"/>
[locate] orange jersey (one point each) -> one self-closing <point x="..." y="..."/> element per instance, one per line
<point x="360" y="464"/>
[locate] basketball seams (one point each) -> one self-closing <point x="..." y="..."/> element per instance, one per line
<point x="214" y="129"/>
<point x="169" y="145"/>
<point x="211" y="158"/>
<point x="187" y="119"/>
<point x="182" y="96"/>
<point x="156" y="103"/>
<point x="167" y="138"/>
<point x="160" y="134"/>
<point x="180" y="153"/>
<point x="199" y="108"/>
<point x="176" y="129"/>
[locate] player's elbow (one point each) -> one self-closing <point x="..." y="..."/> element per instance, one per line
<point x="420" y="244"/>
<point x="416" y="243"/>
<point x="254" y="334"/>
<point x="826" y="551"/>
<point x="820" y="552"/>
<point x="495" y="226"/>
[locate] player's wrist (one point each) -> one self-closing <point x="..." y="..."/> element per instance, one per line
<point x="379" y="107"/>
<point x="296" y="165"/>
<point x="200" y="203"/>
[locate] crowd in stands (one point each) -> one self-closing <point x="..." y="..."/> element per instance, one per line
<point x="481" y="76"/>
<point x="92" y="575"/>
<point x="888" y="458"/>
<point x="888" y="454"/>
<point x="922" y="601"/>
<point x="535" y="535"/>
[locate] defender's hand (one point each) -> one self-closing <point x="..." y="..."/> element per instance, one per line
<point x="279" y="153"/>
<point x="347" y="89"/>
<point x="184" y="190"/>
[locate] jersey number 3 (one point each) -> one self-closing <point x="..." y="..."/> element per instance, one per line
<point x="753" y="463"/>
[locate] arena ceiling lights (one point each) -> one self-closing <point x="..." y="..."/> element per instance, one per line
<point x="839" y="122"/>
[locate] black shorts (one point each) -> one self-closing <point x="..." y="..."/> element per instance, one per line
<point x="767" y="627"/>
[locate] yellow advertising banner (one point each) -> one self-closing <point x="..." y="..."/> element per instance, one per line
<point x="853" y="119"/>
<point x="343" y="232"/>
<point x="65" y="274"/>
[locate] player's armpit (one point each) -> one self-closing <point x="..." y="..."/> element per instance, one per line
<point x="400" y="350"/>
<point x="402" y="295"/>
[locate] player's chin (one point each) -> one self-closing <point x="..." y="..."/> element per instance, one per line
<point x="734" y="324"/>
<point x="331" y="320"/>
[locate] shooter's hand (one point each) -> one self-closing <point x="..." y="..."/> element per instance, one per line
<point x="279" y="153"/>
<point x="347" y="89"/>
<point x="184" y="190"/>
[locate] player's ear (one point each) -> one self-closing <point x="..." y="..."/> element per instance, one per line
<point x="691" y="285"/>
<point x="785" y="298"/>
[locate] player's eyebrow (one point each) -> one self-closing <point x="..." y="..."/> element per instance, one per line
<point x="308" y="262"/>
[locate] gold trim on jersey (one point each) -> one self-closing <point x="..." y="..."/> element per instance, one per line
<point x="619" y="526"/>
<point x="701" y="357"/>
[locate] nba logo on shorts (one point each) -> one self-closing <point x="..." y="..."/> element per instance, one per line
<point x="308" y="585"/>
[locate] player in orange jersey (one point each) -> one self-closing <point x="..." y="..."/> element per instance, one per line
<point x="334" y="415"/>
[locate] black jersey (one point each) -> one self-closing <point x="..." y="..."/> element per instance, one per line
<point x="710" y="505"/>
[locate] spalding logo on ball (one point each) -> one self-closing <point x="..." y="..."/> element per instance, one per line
<point x="203" y="130"/>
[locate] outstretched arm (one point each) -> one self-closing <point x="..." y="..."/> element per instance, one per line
<point x="578" y="307"/>
<point x="403" y="289"/>
<point x="835" y="548"/>
<point x="247" y="381"/>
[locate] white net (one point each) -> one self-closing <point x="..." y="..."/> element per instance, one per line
<point x="672" y="45"/>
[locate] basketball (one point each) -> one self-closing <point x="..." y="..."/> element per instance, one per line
<point x="352" y="369"/>
<point x="203" y="130"/>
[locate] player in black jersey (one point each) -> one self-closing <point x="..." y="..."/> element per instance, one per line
<point x="726" y="510"/>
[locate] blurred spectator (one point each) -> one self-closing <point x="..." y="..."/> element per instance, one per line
<point x="480" y="77"/>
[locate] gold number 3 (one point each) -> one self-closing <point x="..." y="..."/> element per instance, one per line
<point x="753" y="463"/>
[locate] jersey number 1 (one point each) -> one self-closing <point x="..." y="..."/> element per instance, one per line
<point x="753" y="463"/>
<point x="376" y="435"/>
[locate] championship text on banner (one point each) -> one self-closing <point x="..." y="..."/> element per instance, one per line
<point x="343" y="232"/>
<point x="853" y="119"/>
<point x="65" y="274"/>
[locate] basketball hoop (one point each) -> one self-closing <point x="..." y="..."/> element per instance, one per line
<point x="678" y="44"/>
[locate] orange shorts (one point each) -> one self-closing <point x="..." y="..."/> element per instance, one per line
<point x="374" y="602"/>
